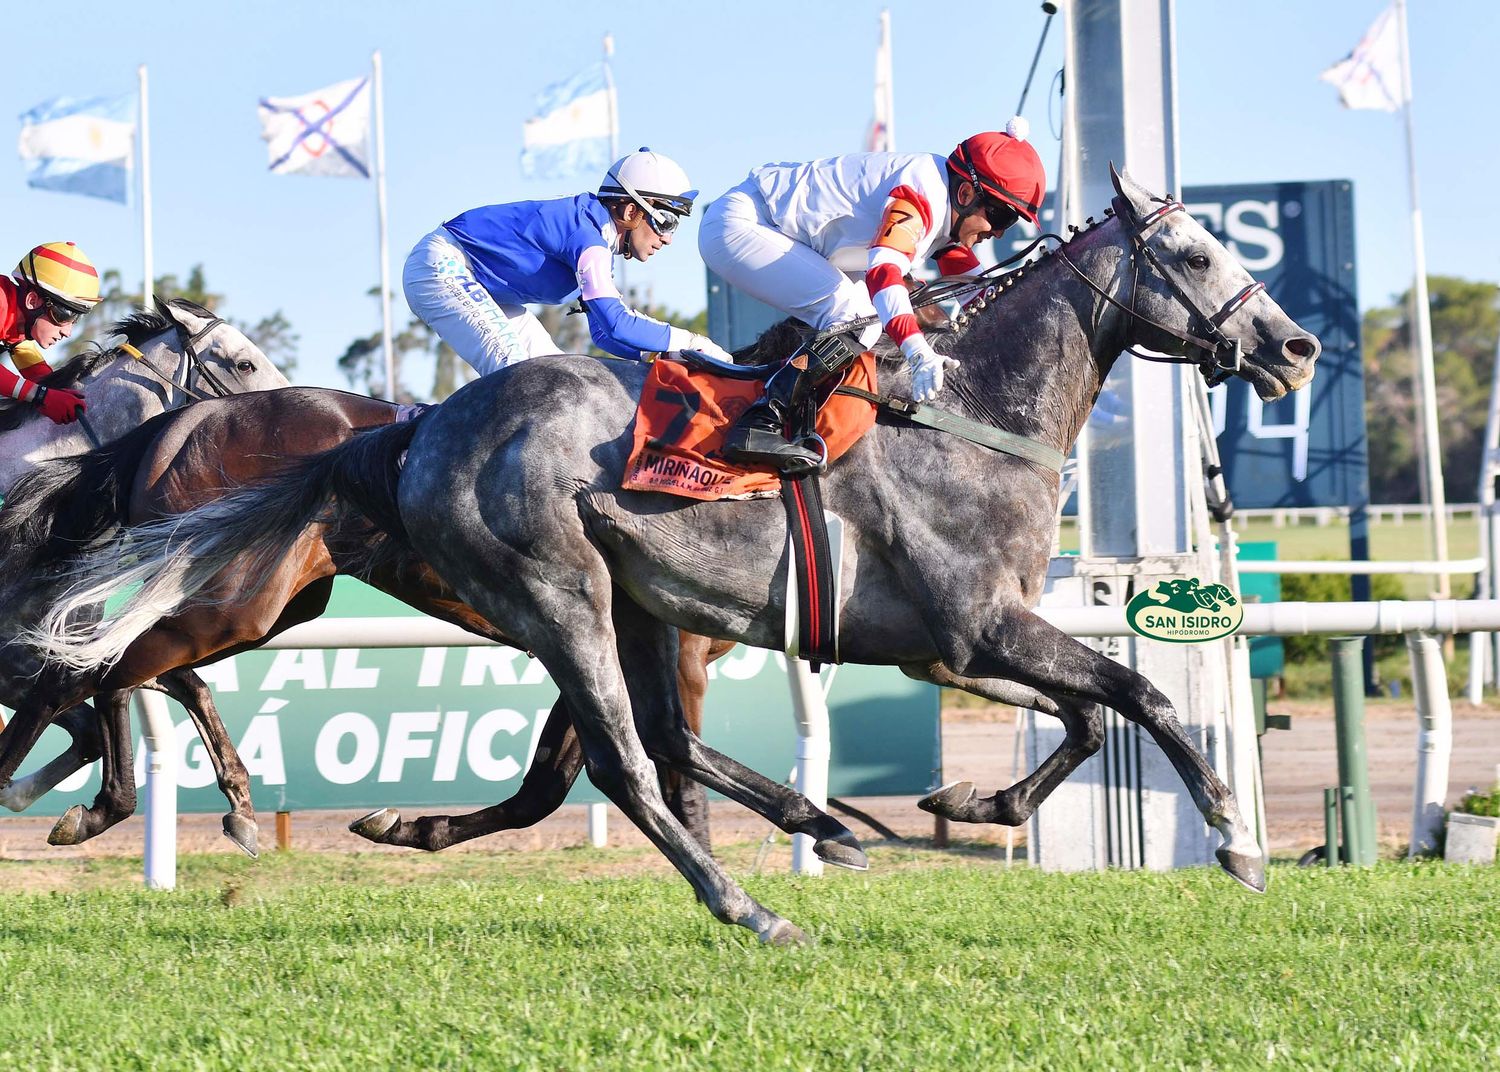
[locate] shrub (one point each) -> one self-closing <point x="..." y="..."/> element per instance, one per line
<point x="1333" y="588"/>
<point x="1476" y="803"/>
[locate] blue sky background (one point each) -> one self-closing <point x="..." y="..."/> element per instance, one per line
<point x="721" y="88"/>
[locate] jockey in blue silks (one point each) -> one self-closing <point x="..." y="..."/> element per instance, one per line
<point x="471" y="279"/>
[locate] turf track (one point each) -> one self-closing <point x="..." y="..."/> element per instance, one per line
<point x="508" y="961"/>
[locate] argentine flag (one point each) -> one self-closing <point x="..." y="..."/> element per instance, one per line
<point x="573" y="127"/>
<point x="80" y="146"/>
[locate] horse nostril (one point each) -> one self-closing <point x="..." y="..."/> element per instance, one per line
<point x="1304" y="347"/>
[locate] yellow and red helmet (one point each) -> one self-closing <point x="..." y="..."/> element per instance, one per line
<point x="63" y="272"/>
<point x="1004" y="166"/>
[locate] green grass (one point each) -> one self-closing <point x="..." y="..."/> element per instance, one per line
<point x="505" y="961"/>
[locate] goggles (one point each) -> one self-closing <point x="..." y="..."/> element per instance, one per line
<point x="661" y="221"/>
<point x="1000" y="215"/>
<point x="59" y="313"/>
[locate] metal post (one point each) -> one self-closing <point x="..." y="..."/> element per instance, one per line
<point x="161" y="789"/>
<point x="810" y="708"/>
<point x="1354" y="768"/>
<point x="598" y="826"/>
<point x="148" y="285"/>
<point x="1429" y="682"/>
<point x="1331" y="827"/>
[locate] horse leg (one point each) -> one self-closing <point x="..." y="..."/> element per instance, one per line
<point x="116" y="797"/>
<point x="188" y="689"/>
<point x="1083" y="721"/>
<point x="558" y="759"/>
<point x="1022" y="647"/>
<point x="687" y="799"/>
<point x="85" y="746"/>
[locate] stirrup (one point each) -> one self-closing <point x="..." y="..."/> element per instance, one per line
<point x="757" y="446"/>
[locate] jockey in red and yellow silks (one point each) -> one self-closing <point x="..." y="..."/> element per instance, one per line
<point x="799" y="236"/>
<point x="51" y="288"/>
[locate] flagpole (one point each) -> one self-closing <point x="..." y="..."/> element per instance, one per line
<point x="378" y="89"/>
<point x="888" y="64"/>
<point x="614" y="134"/>
<point x="1432" y="453"/>
<point x="148" y="288"/>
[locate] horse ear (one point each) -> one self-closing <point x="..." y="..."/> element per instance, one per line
<point x="1133" y="193"/>
<point x="1114" y="177"/>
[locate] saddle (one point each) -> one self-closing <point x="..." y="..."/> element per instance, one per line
<point x="687" y="406"/>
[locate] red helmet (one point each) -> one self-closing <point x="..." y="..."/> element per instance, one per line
<point x="1003" y="166"/>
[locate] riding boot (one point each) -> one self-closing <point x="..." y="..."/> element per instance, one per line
<point x="757" y="438"/>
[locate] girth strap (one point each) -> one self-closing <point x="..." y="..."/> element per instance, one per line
<point x="973" y="431"/>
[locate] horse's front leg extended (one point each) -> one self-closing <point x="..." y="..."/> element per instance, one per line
<point x="1082" y="720"/>
<point x="558" y="759"/>
<point x="1019" y="646"/>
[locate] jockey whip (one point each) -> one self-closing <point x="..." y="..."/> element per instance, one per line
<point x="1051" y="9"/>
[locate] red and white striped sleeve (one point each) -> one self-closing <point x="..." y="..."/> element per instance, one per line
<point x="903" y="226"/>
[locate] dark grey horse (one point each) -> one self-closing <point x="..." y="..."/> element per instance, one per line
<point x="511" y="490"/>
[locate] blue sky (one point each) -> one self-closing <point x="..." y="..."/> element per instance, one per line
<point x="719" y="87"/>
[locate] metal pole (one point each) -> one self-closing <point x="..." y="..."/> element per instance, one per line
<point x="1427" y="386"/>
<point x="1331" y="827"/>
<point x="1354" y="768"/>
<point x="1482" y="653"/>
<point x="810" y="708"/>
<point x="598" y="826"/>
<point x="161" y="789"/>
<point x="378" y="88"/>
<point x="148" y="286"/>
<point x="1434" y="741"/>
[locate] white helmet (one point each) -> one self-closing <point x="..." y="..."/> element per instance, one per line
<point x="654" y="182"/>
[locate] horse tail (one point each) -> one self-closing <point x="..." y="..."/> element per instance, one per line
<point x="170" y="562"/>
<point x="66" y="506"/>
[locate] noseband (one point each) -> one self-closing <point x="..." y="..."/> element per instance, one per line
<point x="1219" y="356"/>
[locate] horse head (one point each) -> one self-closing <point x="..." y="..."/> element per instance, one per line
<point x="232" y="360"/>
<point x="1193" y="298"/>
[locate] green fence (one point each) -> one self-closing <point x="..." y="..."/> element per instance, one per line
<point x="435" y="727"/>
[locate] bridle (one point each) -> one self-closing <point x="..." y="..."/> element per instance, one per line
<point x="192" y="364"/>
<point x="1219" y="357"/>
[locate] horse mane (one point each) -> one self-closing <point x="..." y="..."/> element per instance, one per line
<point x="138" y="327"/>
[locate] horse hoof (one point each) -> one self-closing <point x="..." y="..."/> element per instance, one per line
<point x="244" y="833"/>
<point x="376" y="825"/>
<point x="784" y="933"/>
<point x="69" y="829"/>
<point x="1249" y="871"/>
<point x="950" y="801"/>
<point x="842" y="850"/>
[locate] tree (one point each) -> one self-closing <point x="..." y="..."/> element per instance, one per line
<point x="273" y="334"/>
<point x="1465" y="330"/>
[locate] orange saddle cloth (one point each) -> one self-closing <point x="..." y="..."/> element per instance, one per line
<point x="684" y="414"/>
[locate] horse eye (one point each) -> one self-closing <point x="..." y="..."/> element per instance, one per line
<point x="1198" y="262"/>
<point x="245" y="366"/>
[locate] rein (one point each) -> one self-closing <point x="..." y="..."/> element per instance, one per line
<point x="194" y="362"/>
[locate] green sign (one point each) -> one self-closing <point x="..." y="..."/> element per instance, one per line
<point x="442" y="727"/>
<point x="1184" y="610"/>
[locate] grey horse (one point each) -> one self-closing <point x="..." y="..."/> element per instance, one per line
<point x="511" y="489"/>
<point x="182" y="352"/>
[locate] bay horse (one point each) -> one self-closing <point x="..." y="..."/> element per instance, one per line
<point x="192" y="456"/>
<point x="513" y="486"/>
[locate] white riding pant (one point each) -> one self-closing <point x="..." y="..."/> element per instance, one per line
<point x="441" y="289"/>
<point x="738" y="240"/>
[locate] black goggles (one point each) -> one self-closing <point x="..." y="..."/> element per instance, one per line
<point x="1000" y="215"/>
<point x="59" y="313"/>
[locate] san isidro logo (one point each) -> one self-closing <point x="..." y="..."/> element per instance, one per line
<point x="1185" y="611"/>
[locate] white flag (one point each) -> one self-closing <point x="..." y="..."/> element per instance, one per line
<point x="882" y="136"/>
<point x="573" y="127"/>
<point x="80" y="147"/>
<point x="1370" y="76"/>
<point x="325" y="132"/>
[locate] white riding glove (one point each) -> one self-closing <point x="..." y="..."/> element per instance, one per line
<point x="679" y="339"/>
<point x="927" y="367"/>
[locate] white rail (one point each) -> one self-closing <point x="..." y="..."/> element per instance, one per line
<point x="1452" y="566"/>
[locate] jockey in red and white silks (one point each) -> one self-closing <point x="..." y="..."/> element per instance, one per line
<point x="799" y="237"/>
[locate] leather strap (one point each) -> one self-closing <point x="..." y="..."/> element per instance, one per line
<point x="973" y="431"/>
